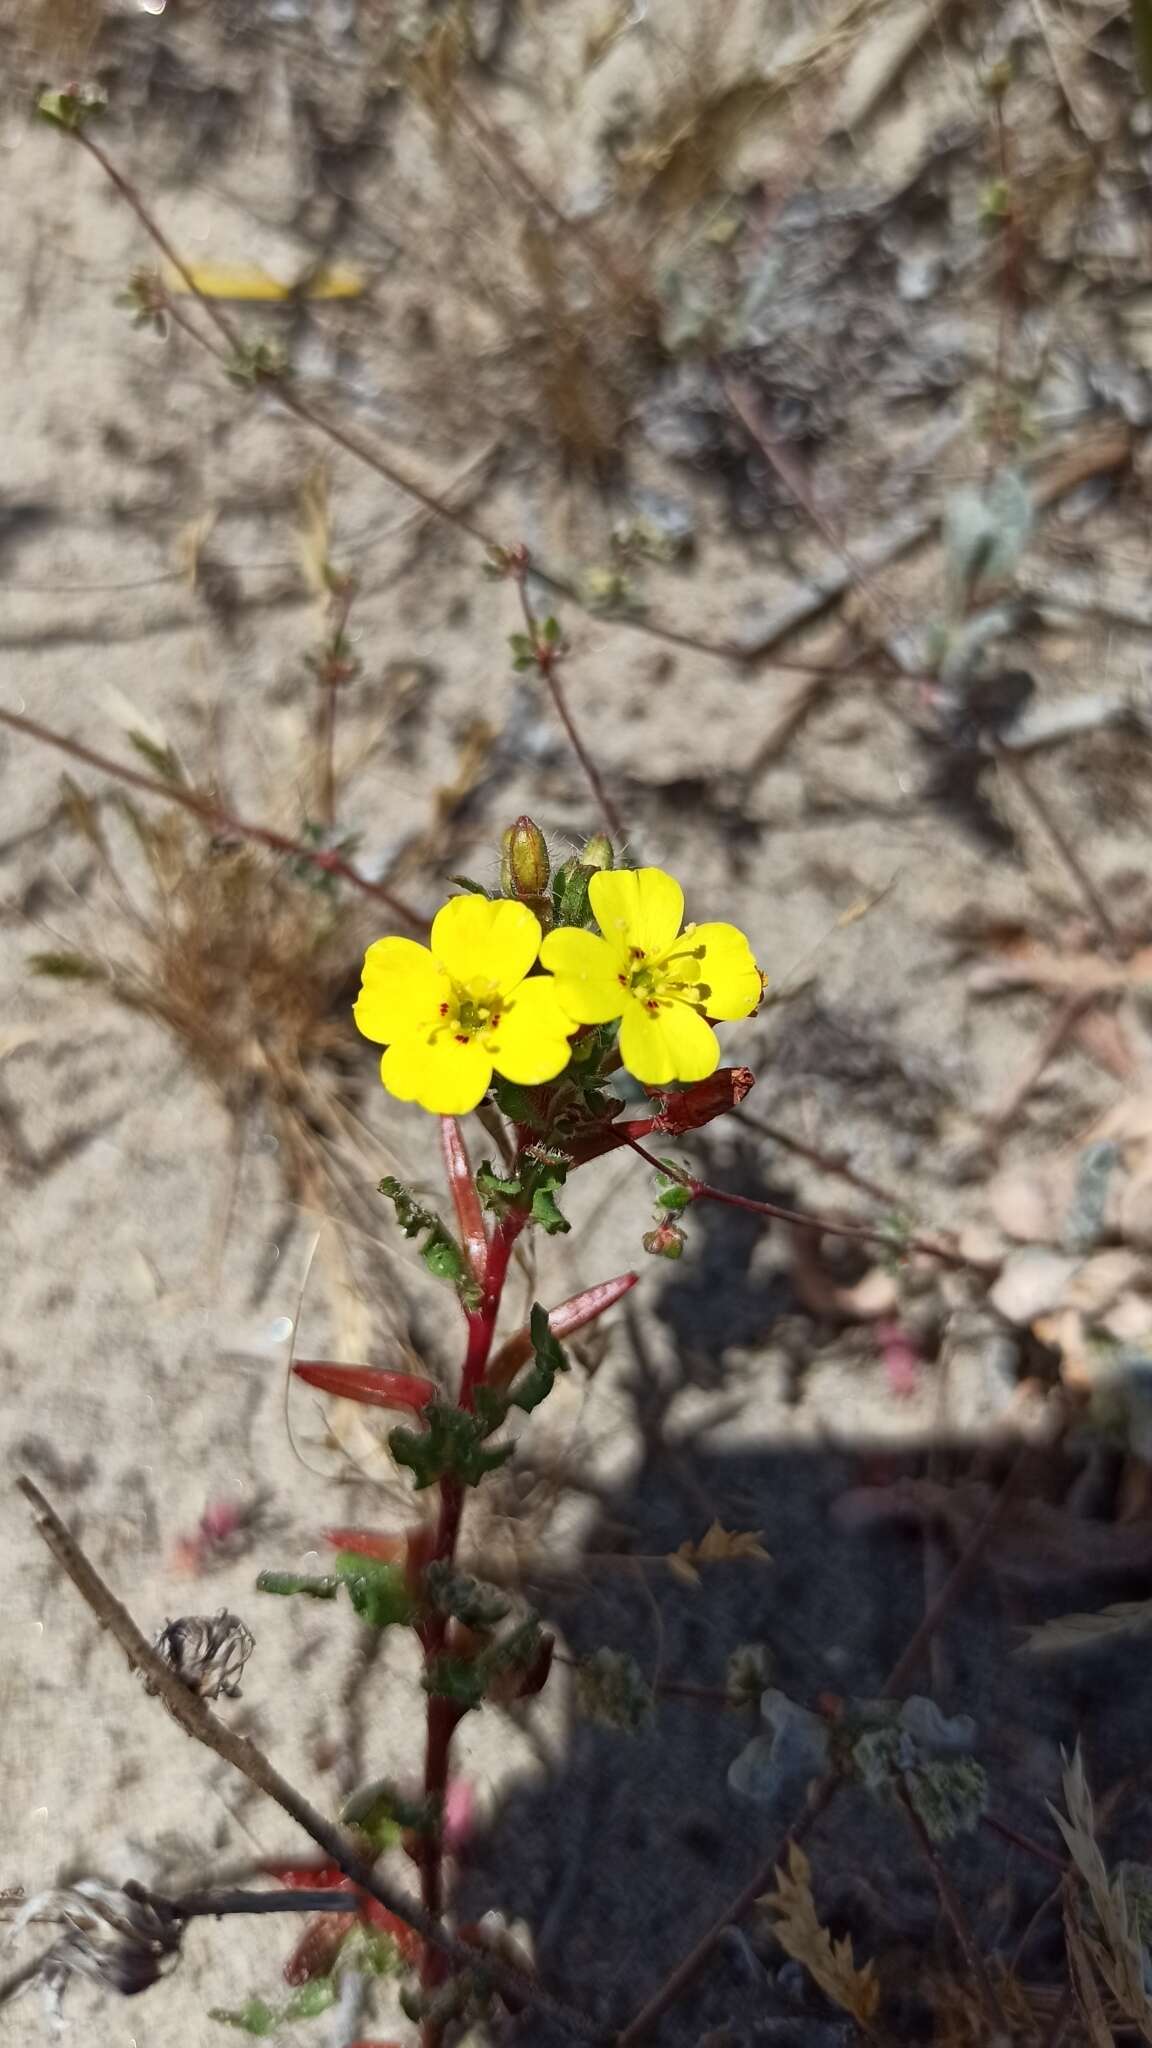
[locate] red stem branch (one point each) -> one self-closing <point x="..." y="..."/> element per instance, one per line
<point x="703" y="1191"/>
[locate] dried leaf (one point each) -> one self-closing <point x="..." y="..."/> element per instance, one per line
<point x="1084" y="1631"/>
<point x="1022" y="963"/>
<point x="315" y="534"/>
<point x="718" y="1545"/>
<point x="241" y="282"/>
<point x="797" y="1928"/>
<point x="1117" y="1955"/>
<point x="1084" y="1978"/>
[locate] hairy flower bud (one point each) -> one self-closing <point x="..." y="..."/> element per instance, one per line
<point x="525" y="869"/>
<point x="598" y="852"/>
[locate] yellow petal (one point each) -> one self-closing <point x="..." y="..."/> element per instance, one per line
<point x="530" y="1043"/>
<point x="641" y="907"/>
<point x="402" y="991"/>
<point x="443" y="1075"/>
<point x="671" y="1044"/>
<point x="728" y="970"/>
<point x="492" y="943"/>
<point x="587" y="973"/>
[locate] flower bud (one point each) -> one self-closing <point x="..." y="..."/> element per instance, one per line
<point x="598" y="852"/>
<point x="524" y="864"/>
<point x="665" y="1242"/>
<point x="570" y="892"/>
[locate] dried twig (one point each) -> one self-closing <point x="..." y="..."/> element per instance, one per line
<point x="1042" y="811"/>
<point x="213" y="814"/>
<point x="953" y="1906"/>
<point x="546" y="654"/>
<point x="197" y="1719"/>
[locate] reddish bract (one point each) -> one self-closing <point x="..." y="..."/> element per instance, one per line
<point x="316" y="1951"/>
<point x="377" y="1389"/>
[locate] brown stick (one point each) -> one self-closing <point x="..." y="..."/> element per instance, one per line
<point x="827" y="1162"/>
<point x="1042" y="811"/>
<point x="958" y="1577"/>
<point x="198" y="1720"/>
<point x="954" y="1908"/>
<point x="212" y="814"/>
<point x="546" y="656"/>
<point x="694" y="1961"/>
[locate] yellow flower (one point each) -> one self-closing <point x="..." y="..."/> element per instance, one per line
<point x="451" y="1013"/>
<point x="662" y="983"/>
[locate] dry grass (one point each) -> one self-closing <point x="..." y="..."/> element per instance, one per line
<point x="249" y="966"/>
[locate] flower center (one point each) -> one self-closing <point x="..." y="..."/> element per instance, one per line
<point x="469" y="1012"/>
<point x="666" y="978"/>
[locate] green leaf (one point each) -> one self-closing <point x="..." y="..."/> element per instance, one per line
<point x="450" y="1678"/>
<point x="498" y="1192"/>
<point x="985" y="533"/>
<point x="378" y="1592"/>
<point x="452" y="1442"/>
<point x="545" y="1212"/>
<point x="163" y="759"/>
<point x="522" y="645"/>
<point x="256" y="2017"/>
<point x="535" y="1383"/>
<point x="72" y="107"/>
<point x="470" y="887"/>
<point x="532" y="1187"/>
<point x="465" y="1598"/>
<point x="445" y="1260"/>
<point x="612" y="1689"/>
<point x="311" y="2000"/>
<point x="550" y="632"/>
<point x="381" y="1812"/>
<point x="67" y="967"/>
<point x="411" y="1214"/>
<point x="257" y="362"/>
<point x="370" y="1949"/>
<point x="440" y="1251"/>
<point x="295" y="1582"/>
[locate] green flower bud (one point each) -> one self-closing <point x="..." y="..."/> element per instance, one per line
<point x="598" y="852"/>
<point x="570" y="892"/>
<point x="525" y="869"/>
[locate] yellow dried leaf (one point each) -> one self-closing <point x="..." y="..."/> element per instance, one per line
<point x="717" y="1545"/>
<point x="797" y="1928"/>
<point x="222" y="281"/>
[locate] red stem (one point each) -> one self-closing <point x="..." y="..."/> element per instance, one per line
<point x="444" y="1715"/>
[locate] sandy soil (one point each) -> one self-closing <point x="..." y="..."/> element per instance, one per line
<point x="155" y="1276"/>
